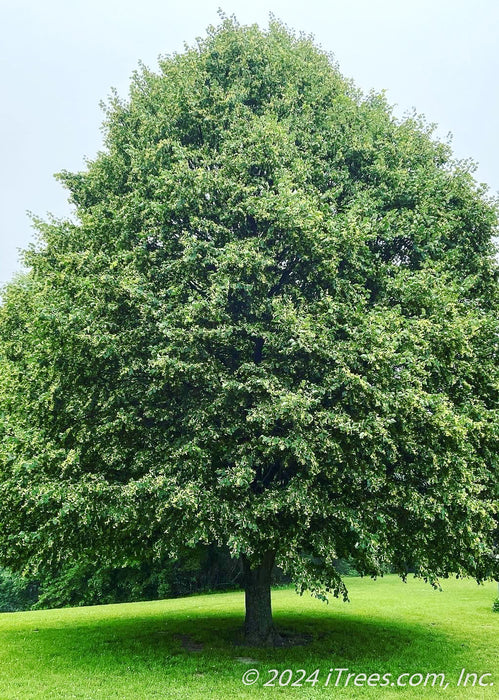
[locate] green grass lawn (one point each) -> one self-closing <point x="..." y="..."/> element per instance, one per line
<point x="185" y="648"/>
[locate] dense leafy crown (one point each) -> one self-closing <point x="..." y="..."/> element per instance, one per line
<point x="272" y="324"/>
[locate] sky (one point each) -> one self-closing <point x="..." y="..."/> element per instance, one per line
<point x="59" y="59"/>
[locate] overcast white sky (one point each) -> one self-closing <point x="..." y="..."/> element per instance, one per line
<point x="59" y="58"/>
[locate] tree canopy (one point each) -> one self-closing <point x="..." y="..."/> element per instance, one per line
<point x="271" y="324"/>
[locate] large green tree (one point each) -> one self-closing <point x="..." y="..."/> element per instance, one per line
<point x="272" y="325"/>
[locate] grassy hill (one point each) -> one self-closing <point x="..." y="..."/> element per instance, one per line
<point x="187" y="648"/>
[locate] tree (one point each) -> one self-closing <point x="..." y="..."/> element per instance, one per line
<point x="272" y="325"/>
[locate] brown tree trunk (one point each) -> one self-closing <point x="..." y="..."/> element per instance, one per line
<point x="259" y="628"/>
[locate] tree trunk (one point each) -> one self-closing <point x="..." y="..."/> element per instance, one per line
<point x="259" y="628"/>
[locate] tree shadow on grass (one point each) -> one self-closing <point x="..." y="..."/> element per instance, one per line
<point x="151" y="642"/>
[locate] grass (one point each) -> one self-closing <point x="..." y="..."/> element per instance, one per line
<point x="184" y="648"/>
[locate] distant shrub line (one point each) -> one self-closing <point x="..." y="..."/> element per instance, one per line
<point x="205" y="569"/>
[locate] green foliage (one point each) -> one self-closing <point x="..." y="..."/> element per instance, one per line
<point x="204" y="569"/>
<point x="15" y="592"/>
<point x="273" y="325"/>
<point x="495" y="605"/>
<point x="346" y="567"/>
<point x="85" y="583"/>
